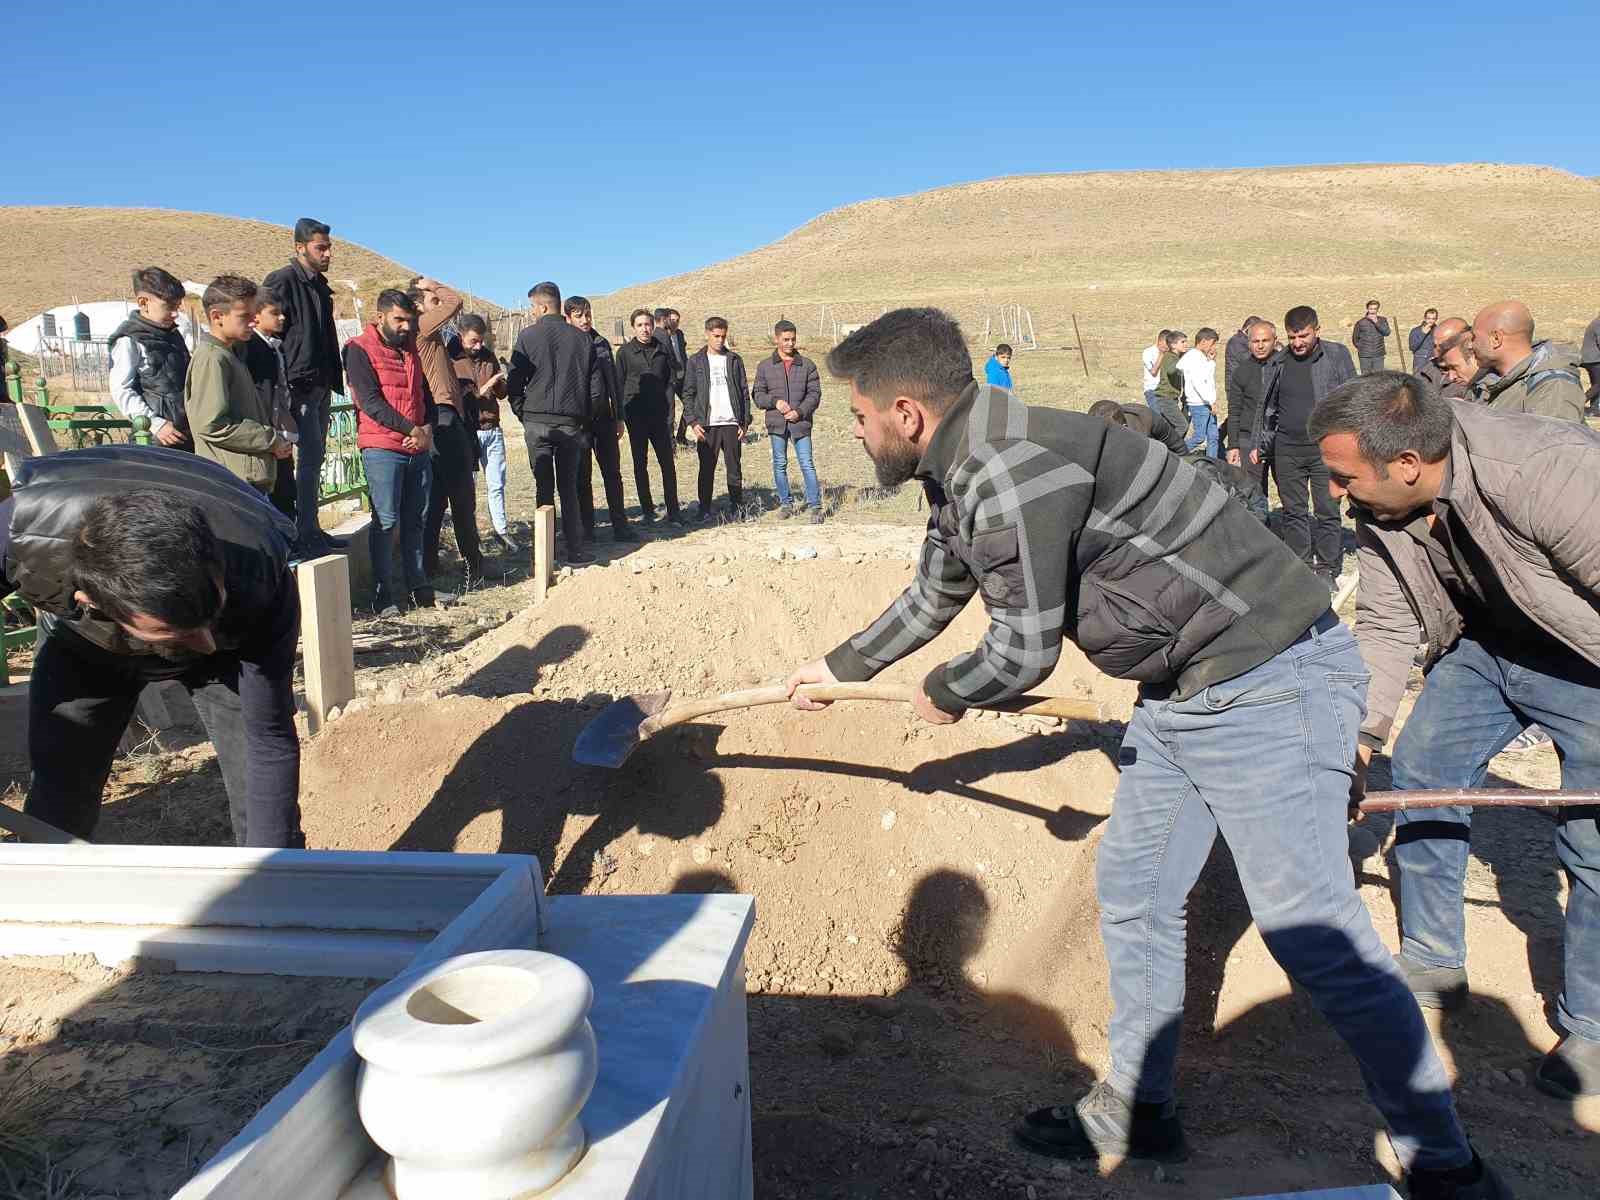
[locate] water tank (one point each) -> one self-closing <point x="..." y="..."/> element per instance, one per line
<point x="80" y="326"/>
<point x="49" y="323"/>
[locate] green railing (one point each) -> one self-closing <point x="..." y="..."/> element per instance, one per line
<point x="343" y="474"/>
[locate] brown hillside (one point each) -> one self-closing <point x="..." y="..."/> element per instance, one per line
<point x="1130" y="252"/>
<point x="55" y="255"/>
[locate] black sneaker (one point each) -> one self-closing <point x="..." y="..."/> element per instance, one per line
<point x="678" y="519"/>
<point x="702" y="514"/>
<point x="1104" y="1123"/>
<point x="1571" y="1071"/>
<point x="648" y="516"/>
<point x="1434" y="987"/>
<point x="506" y="542"/>
<point x="621" y="533"/>
<point x="581" y="559"/>
<point x="1476" y="1181"/>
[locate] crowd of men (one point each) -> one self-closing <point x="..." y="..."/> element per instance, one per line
<point x="1476" y="542"/>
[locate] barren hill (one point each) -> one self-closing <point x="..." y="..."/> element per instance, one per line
<point x="1129" y="252"/>
<point x="55" y="255"/>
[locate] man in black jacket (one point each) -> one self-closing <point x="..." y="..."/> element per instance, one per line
<point x="605" y="430"/>
<point x="1246" y="390"/>
<point x="1068" y="527"/>
<point x="644" y="381"/>
<point x="716" y="409"/>
<point x="149" y="564"/>
<point x="311" y="360"/>
<point x="1371" y="338"/>
<point x="552" y="387"/>
<point x="671" y="337"/>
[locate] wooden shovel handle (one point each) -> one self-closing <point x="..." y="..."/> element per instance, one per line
<point x="900" y="693"/>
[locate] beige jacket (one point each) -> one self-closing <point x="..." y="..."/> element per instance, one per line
<point x="1545" y="382"/>
<point x="1527" y="489"/>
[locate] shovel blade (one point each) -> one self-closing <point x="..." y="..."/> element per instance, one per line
<point x="607" y="740"/>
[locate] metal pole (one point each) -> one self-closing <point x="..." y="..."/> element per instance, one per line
<point x="1083" y="358"/>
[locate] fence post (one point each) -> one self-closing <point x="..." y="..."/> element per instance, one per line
<point x="141" y="431"/>
<point x="544" y="549"/>
<point x="43" y="391"/>
<point x="14" y="382"/>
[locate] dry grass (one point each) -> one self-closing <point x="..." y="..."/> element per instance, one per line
<point x="56" y="255"/>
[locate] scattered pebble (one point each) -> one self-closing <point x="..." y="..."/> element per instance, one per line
<point x="803" y="552"/>
<point x="718" y="581"/>
<point x="702" y="854"/>
<point x="646" y="846"/>
<point x="888" y="818"/>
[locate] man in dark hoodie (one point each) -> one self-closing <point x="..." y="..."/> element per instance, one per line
<point x="149" y="359"/>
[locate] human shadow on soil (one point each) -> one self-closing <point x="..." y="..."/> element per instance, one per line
<point x="521" y="768"/>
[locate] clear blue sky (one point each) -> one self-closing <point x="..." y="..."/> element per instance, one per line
<point x="498" y="144"/>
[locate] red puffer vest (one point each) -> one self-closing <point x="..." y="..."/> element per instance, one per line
<point x="399" y="375"/>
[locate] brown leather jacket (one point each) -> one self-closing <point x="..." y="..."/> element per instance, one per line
<point x="1527" y="489"/>
<point x="473" y="372"/>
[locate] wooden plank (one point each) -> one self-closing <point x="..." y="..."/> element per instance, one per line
<point x="330" y="658"/>
<point x="14" y="441"/>
<point x="36" y="428"/>
<point x="544" y="551"/>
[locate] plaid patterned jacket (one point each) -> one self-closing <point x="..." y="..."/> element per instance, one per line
<point x="1069" y="527"/>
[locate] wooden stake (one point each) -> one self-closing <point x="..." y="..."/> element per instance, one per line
<point x="544" y="551"/>
<point x="1083" y="358"/>
<point x="330" y="660"/>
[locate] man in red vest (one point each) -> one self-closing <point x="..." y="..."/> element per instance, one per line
<point x="394" y="428"/>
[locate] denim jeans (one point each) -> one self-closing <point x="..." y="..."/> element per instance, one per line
<point x="780" y="468"/>
<point x="1205" y="432"/>
<point x="1152" y="400"/>
<point x="1476" y="699"/>
<point x="1282" y="810"/>
<point x="312" y="413"/>
<point x="492" y="458"/>
<point x="397" y="485"/>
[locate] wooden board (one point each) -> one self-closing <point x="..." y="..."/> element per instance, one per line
<point x="330" y="660"/>
<point x="544" y="551"/>
<point x="36" y="427"/>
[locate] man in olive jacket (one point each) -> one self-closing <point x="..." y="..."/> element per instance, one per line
<point x="231" y="421"/>
<point x="1477" y="537"/>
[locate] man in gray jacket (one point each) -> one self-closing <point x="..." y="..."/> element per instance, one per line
<point x="789" y="390"/>
<point x="1370" y="337"/>
<point x="1476" y="535"/>
<point x="1528" y="376"/>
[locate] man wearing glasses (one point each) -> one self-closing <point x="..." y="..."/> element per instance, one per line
<point x="146" y="565"/>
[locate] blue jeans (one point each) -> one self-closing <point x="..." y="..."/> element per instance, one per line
<point x="1282" y="810"/>
<point x="1205" y="432"/>
<point x="1153" y="400"/>
<point x="397" y="485"/>
<point x="312" y="412"/>
<point x="780" y="468"/>
<point x="1476" y="700"/>
<point x="492" y="458"/>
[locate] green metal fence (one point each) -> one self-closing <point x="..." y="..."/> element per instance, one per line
<point x="343" y="475"/>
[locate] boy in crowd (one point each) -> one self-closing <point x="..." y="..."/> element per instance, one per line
<point x="716" y="409"/>
<point x="1198" y="366"/>
<point x="997" y="371"/>
<point x="1150" y="360"/>
<point x="483" y="385"/>
<point x="605" y="430"/>
<point x="645" y="375"/>
<point x="1169" y="385"/>
<point x="149" y="359"/>
<point x="231" y="422"/>
<point x="264" y="360"/>
<point x="789" y="390"/>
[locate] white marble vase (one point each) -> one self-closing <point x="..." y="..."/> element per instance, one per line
<point x="473" y="1073"/>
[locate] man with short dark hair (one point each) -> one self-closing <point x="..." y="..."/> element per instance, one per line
<point x="394" y="428"/>
<point x="1370" y="337"/>
<point x="482" y="382"/>
<point x="1066" y="526"/>
<point x="1454" y="368"/>
<point x="1142" y="421"/>
<point x="1238" y="348"/>
<point x="1476" y="537"/>
<point x="1198" y="366"/>
<point x="144" y="565"/>
<point x="554" y="390"/>
<point x="231" y="421"/>
<point x="455" y="449"/>
<point x="997" y="370"/>
<point x="311" y="360"/>
<point x="1293" y="383"/>
<point x="605" y="430"/>
<point x="670" y="336"/>
<point x="1246" y="390"/>
<point x="716" y="408"/>
<point x="1420" y="339"/>
<point x="149" y="359"/>
<point x="1589" y="360"/>
<point x="789" y="390"/>
<point x="1529" y="377"/>
<point x="1169" y="391"/>
<point x="645" y="376"/>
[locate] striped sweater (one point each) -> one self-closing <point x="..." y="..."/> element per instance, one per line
<point x="1069" y="527"/>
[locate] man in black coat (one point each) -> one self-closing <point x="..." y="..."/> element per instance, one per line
<point x="605" y="430"/>
<point x="645" y="383"/>
<point x="716" y="409"/>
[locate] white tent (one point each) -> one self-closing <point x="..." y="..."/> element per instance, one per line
<point x="104" y="316"/>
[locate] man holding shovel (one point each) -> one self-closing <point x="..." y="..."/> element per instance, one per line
<point x="1232" y="641"/>
<point x="1477" y="536"/>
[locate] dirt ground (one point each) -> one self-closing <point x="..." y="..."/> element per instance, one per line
<point x="926" y="963"/>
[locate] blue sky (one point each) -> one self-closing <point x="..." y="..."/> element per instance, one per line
<point x="497" y="144"/>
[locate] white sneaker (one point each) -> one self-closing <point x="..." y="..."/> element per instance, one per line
<point x="1531" y="738"/>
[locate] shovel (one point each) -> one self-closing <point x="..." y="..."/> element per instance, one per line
<point x="611" y="737"/>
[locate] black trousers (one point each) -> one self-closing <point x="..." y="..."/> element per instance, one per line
<point x="648" y="429"/>
<point x="556" y="451"/>
<point x="1299" y="470"/>
<point x="1371" y="363"/>
<point x="283" y="490"/>
<point x="81" y="700"/>
<point x="456" y="456"/>
<point x="724" y="440"/>
<point x="607" y="451"/>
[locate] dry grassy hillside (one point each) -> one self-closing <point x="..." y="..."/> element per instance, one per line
<point x="1131" y="252"/>
<point x="51" y="255"/>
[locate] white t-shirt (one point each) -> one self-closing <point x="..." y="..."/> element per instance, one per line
<point x="1151" y="359"/>
<point x="721" y="402"/>
<point x="1199" y="372"/>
